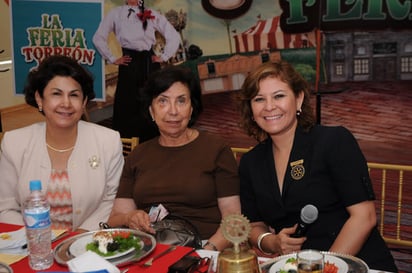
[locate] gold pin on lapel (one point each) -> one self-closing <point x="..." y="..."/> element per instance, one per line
<point x="298" y="170"/>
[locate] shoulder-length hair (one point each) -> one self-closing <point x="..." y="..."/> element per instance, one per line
<point x="286" y="73"/>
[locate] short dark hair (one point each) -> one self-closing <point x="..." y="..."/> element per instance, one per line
<point x="57" y="65"/>
<point x="161" y="80"/>
<point x="286" y="73"/>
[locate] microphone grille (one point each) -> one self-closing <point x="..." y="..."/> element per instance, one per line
<point x="309" y="214"/>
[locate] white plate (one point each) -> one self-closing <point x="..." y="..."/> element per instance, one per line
<point x="78" y="247"/>
<point x="341" y="264"/>
<point x="62" y="253"/>
<point x="4" y="268"/>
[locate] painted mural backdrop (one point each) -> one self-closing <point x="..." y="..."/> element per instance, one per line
<point x="284" y="25"/>
<point x="337" y="15"/>
<point x="206" y="31"/>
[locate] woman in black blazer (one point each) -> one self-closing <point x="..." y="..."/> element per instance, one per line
<point x="297" y="163"/>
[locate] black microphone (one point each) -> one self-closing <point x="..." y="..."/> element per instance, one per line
<point x="308" y="215"/>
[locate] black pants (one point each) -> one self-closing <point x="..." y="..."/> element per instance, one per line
<point x="128" y="117"/>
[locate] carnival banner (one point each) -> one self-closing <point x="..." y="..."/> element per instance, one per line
<point x="58" y="27"/>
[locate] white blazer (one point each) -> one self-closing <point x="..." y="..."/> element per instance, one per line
<point x="94" y="170"/>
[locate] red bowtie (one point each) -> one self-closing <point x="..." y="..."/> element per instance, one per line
<point x="147" y="14"/>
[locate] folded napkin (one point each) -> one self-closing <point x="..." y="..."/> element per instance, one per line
<point x="12" y="242"/>
<point x="89" y="262"/>
<point x="15" y="242"/>
<point x="11" y="246"/>
<point x="11" y="258"/>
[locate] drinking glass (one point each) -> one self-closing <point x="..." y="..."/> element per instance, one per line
<point x="310" y="261"/>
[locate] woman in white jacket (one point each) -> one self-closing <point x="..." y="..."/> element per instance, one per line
<point x="79" y="163"/>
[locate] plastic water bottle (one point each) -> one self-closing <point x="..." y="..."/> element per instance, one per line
<point x="36" y="213"/>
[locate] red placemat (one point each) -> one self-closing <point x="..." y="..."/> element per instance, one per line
<point x="160" y="265"/>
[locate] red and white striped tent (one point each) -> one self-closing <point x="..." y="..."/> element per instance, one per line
<point x="267" y="34"/>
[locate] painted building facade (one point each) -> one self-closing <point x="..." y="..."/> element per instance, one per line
<point x="368" y="56"/>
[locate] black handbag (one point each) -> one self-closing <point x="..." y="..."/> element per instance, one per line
<point x="173" y="230"/>
<point x="176" y="230"/>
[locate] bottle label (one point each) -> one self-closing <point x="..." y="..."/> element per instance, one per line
<point x="37" y="219"/>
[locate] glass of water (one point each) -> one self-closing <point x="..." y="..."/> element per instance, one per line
<point x="310" y="261"/>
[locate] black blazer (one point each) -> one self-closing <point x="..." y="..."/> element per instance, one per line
<point x="327" y="169"/>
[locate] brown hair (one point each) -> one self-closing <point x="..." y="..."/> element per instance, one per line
<point x="286" y="73"/>
<point x="53" y="66"/>
<point x="161" y="80"/>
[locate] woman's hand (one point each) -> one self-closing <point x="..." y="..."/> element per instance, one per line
<point x="124" y="60"/>
<point x="125" y="213"/>
<point x="280" y="243"/>
<point x="139" y="219"/>
<point x="157" y="59"/>
<point x="287" y="244"/>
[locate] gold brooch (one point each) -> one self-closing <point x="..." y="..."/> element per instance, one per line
<point x="94" y="162"/>
<point x="298" y="170"/>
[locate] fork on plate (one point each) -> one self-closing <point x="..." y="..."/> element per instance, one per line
<point x="151" y="260"/>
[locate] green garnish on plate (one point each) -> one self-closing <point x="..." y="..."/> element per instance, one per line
<point x="291" y="260"/>
<point x="122" y="241"/>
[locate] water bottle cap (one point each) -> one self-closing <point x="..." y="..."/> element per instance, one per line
<point x="35" y="185"/>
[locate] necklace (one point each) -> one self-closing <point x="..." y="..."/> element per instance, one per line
<point x="59" y="150"/>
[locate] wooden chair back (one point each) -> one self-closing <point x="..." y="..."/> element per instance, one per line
<point x="238" y="152"/>
<point x="129" y="144"/>
<point x="392" y="185"/>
